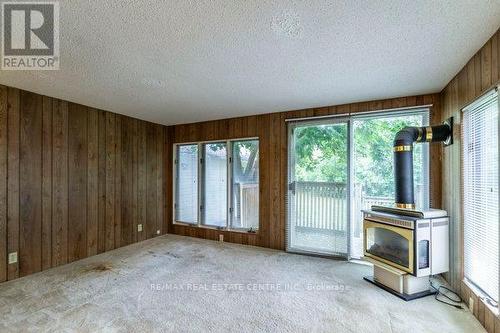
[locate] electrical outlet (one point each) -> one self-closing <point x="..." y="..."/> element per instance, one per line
<point x="12" y="258"/>
<point x="139" y="227"/>
<point x="221" y="238"/>
<point x="158" y="232"/>
<point x="471" y="304"/>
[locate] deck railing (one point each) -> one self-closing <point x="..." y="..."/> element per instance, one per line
<point x="315" y="205"/>
<point x="321" y="205"/>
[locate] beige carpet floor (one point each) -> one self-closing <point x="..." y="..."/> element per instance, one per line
<point x="181" y="284"/>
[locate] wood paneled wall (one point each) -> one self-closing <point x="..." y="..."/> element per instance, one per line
<point x="271" y="130"/>
<point x="480" y="74"/>
<point x="74" y="181"/>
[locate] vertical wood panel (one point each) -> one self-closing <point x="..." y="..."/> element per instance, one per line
<point x="30" y="181"/>
<point x="480" y="311"/>
<point x="168" y="164"/>
<point x="142" y="182"/>
<point x="477" y="73"/>
<point x="101" y="232"/>
<point x="126" y="169"/>
<point x="151" y="180"/>
<point x="3" y="183"/>
<point x="470" y="87"/>
<point x="160" y="168"/>
<point x="494" y="58"/>
<point x="274" y="199"/>
<point x="486" y="65"/>
<point x="60" y="183"/>
<point x="489" y="321"/>
<point x="498" y="54"/>
<point x="284" y="178"/>
<point x="110" y="180"/>
<point x="13" y="120"/>
<point x="118" y="180"/>
<point x="47" y="183"/>
<point x="128" y="180"/>
<point x="264" y="180"/>
<point x="134" y="136"/>
<point x="77" y="189"/>
<point x="92" y="181"/>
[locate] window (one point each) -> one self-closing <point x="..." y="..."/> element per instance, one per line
<point x="245" y="185"/>
<point x="214" y="203"/>
<point x="219" y="188"/>
<point x="481" y="197"/>
<point x="186" y="200"/>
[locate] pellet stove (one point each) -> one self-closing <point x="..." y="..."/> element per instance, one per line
<point x="404" y="244"/>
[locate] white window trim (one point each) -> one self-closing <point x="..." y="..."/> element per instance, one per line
<point x="174" y="185"/>
<point x="485" y="298"/>
<point x="199" y="224"/>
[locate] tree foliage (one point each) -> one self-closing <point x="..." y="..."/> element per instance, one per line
<point x="245" y="158"/>
<point x="321" y="153"/>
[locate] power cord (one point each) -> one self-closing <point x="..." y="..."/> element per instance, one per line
<point x="453" y="300"/>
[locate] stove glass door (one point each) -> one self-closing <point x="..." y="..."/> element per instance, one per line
<point x="389" y="244"/>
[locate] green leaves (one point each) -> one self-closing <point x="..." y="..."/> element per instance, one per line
<point x="321" y="153"/>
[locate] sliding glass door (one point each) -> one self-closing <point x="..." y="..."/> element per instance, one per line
<point x="337" y="168"/>
<point x="318" y="199"/>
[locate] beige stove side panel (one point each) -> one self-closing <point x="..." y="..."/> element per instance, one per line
<point x="440" y="250"/>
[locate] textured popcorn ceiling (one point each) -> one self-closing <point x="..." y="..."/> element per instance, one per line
<point x="183" y="61"/>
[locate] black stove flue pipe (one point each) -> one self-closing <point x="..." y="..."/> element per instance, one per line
<point x="403" y="157"/>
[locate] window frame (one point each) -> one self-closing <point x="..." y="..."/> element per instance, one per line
<point x="468" y="282"/>
<point x="202" y="180"/>
<point x="176" y="183"/>
<point x="231" y="203"/>
<point x="201" y="184"/>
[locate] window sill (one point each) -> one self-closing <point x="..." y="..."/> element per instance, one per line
<point x="482" y="297"/>
<point x="240" y="231"/>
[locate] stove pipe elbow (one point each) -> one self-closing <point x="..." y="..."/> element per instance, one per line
<point x="403" y="158"/>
